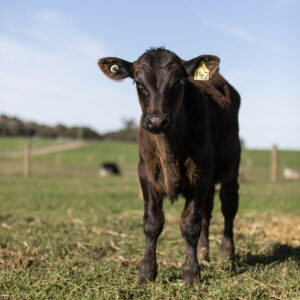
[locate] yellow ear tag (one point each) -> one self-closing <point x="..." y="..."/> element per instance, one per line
<point x="201" y="73"/>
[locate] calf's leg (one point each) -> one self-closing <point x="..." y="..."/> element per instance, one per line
<point x="203" y="243"/>
<point x="229" y="198"/>
<point x="153" y="226"/>
<point x="190" y="225"/>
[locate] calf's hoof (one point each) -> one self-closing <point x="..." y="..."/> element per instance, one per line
<point x="227" y="249"/>
<point x="148" y="271"/>
<point x="191" y="274"/>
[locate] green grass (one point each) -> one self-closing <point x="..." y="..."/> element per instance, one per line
<point x="68" y="234"/>
<point x="13" y="144"/>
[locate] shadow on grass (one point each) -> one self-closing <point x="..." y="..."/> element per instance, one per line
<point x="279" y="253"/>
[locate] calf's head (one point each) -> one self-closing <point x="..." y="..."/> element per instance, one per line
<point x="160" y="77"/>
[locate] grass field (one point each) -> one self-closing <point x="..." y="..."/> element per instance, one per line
<point x="68" y="234"/>
<point x="15" y="144"/>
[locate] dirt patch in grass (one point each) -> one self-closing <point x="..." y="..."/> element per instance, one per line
<point x="14" y="260"/>
<point x="281" y="229"/>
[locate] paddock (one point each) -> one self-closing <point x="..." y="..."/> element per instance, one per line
<point x="65" y="232"/>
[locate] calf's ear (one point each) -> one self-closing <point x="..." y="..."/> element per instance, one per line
<point x="116" y="68"/>
<point x="202" y="67"/>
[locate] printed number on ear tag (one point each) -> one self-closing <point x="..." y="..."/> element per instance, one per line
<point x="201" y="73"/>
<point x="114" y="68"/>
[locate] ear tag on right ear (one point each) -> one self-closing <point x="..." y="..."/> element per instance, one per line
<point x="201" y="73"/>
<point x="114" y="69"/>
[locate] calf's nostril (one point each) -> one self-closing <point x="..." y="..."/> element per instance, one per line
<point x="164" y="122"/>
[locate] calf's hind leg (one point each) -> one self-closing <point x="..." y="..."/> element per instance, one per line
<point x="229" y="198"/>
<point x="153" y="226"/>
<point x="203" y="243"/>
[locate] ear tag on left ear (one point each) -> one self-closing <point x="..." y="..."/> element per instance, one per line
<point x="114" y="69"/>
<point x="201" y="73"/>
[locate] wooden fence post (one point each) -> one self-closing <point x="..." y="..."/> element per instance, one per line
<point x="274" y="164"/>
<point x="241" y="177"/>
<point x="27" y="159"/>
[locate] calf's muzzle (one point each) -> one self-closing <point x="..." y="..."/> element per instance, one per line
<point x="156" y="122"/>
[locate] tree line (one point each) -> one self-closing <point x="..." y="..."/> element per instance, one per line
<point x="12" y="127"/>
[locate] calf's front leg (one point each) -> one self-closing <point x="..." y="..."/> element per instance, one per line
<point x="190" y="225"/>
<point x="153" y="226"/>
<point x="207" y="207"/>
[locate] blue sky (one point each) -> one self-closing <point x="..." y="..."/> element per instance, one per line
<point x="49" y="52"/>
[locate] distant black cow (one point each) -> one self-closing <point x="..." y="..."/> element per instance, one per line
<point x="188" y="141"/>
<point x="109" y="168"/>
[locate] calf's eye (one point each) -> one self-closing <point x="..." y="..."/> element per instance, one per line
<point x="179" y="81"/>
<point x="142" y="88"/>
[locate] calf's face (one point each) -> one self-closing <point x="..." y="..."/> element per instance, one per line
<point x="160" y="91"/>
<point x="160" y="77"/>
